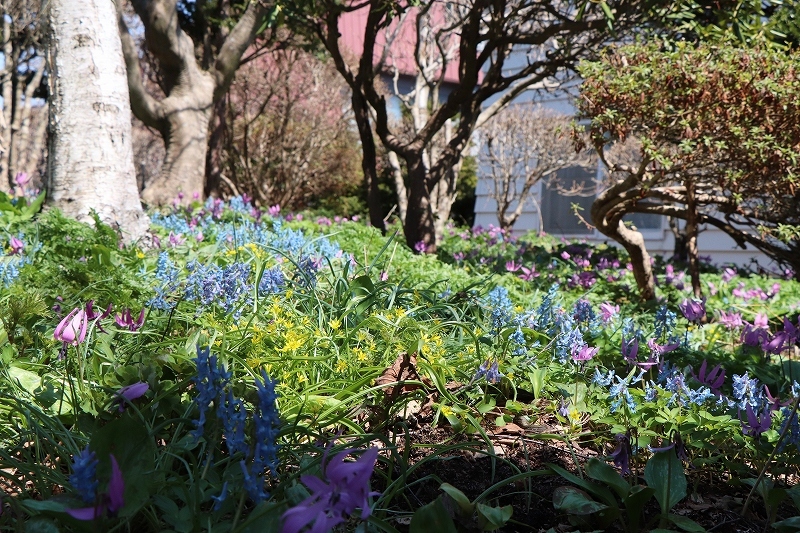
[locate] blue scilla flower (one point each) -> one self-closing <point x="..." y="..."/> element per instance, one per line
<point x="306" y="275"/>
<point x="544" y="318"/>
<point x="265" y="449"/>
<point x="665" y="322"/>
<point x="232" y="413"/>
<point x="747" y="391"/>
<point x="700" y="396"/>
<point x="272" y="282"/>
<point x="288" y="240"/>
<point x="240" y="205"/>
<point x="84" y="475"/>
<point x="793" y="433"/>
<point x="210" y="382"/>
<point x="228" y="287"/>
<point x="602" y="380"/>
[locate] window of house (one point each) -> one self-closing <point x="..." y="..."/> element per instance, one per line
<point x="558" y="215"/>
<point x="644" y="221"/>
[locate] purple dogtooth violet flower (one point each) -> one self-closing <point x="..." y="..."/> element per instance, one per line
<point x="693" y="310"/>
<point x="676" y="443"/>
<point x="660" y="349"/>
<point x="528" y="274"/>
<point x="774" y="402"/>
<point x="72" y="328"/>
<point x="109" y="502"/>
<point x="511" y="266"/>
<point x="713" y="379"/>
<point x="756" y="424"/>
<point x="16" y="246"/>
<point x="345" y="488"/>
<point x="274" y="210"/>
<point x="622" y="454"/>
<point x="608" y="311"/>
<point x="584" y="353"/>
<point x="731" y="320"/>
<point x="126" y="320"/>
<point x="754" y="336"/>
<point x="129" y="393"/>
<point x="630" y="350"/>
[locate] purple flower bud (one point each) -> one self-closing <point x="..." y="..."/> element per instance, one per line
<point x="693" y="310"/>
<point x="16" y="245"/>
<point x="130" y="393"/>
<point x="72" y="328"/>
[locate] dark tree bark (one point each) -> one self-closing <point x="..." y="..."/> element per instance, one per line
<point x="486" y="33"/>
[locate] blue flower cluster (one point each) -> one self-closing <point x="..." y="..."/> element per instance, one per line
<point x="665" y="322"/>
<point x="84" y="475"/>
<point x="167" y="275"/>
<point x="272" y="282"/>
<point x="213" y="385"/>
<point x="793" y="433"/>
<point x="265" y="451"/>
<point x="229" y="286"/>
<point x="747" y="391"/>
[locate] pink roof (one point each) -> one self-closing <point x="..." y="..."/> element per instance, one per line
<point x="352" y="28"/>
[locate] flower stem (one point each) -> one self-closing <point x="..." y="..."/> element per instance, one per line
<point x="771" y="457"/>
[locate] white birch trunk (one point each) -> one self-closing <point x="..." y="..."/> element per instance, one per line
<point x="90" y="165"/>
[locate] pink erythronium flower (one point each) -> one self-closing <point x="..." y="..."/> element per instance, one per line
<point x="528" y="274"/>
<point x="126" y="320"/>
<point x="16" y="245"/>
<point x="693" y="310"/>
<point x="584" y="353"/>
<point x="72" y="328"/>
<point x="608" y="311"/>
<point x="731" y="320"/>
<point x="511" y="266"/>
<point x="111" y="501"/>
<point x="274" y="210"/>
<point x="761" y="321"/>
<point x="660" y="349"/>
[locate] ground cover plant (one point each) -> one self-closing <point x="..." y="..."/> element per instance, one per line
<point x="249" y="370"/>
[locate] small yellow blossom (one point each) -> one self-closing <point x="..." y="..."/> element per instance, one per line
<point x="335" y="324"/>
<point x="341" y="366"/>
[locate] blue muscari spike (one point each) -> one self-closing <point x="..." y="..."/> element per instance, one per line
<point x="84" y="475"/>
<point x="272" y="282"/>
<point x="210" y="383"/>
<point x="265" y="450"/>
<point x="233" y="414"/>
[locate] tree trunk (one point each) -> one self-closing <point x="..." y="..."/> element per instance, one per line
<point x="691" y="238"/>
<point x="399" y="187"/>
<point x="633" y="242"/>
<point x="369" y="160"/>
<point x="419" y="226"/>
<point x="187" y="113"/>
<point x="90" y="164"/>
<point x="216" y="142"/>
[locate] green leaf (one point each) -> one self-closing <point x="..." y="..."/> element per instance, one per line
<point x="601" y="471"/>
<point x="432" y="517"/>
<point x="27" y="380"/>
<point x="634" y="504"/>
<point x="133" y="448"/>
<point x="575" y="501"/>
<point x="593" y="489"/>
<point x="40" y="524"/>
<point x="790" y="525"/>
<point x="685" y="523"/>
<point x="459" y="497"/>
<point x="493" y="518"/>
<point x="537" y="381"/>
<point x="485" y="407"/>
<point x="664" y="474"/>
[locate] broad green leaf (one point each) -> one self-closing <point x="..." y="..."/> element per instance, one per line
<point x="664" y="474"/>
<point x="493" y="518"/>
<point x="575" y="501"/>
<point x="685" y="523"/>
<point x="432" y="517"/>
<point x="790" y="525"/>
<point x="459" y="497"/>
<point x="592" y="488"/>
<point x="601" y="471"/>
